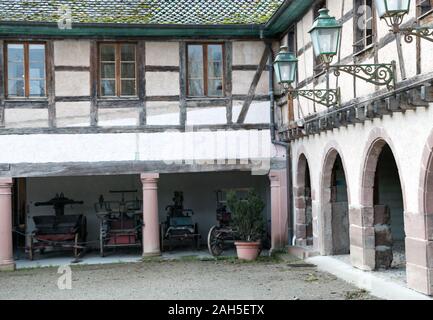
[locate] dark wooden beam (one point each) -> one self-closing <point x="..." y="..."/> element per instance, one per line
<point x="26" y="104"/>
<point x="94" y="83"/>
<point x="228" y="80"/>
<point x="131" y="129"/>
<point x="182" y="83"/>
<point x="51" y="84"/>
<point x="252" y="90"/>
<point x="72" y="98"/>
<point x="141" y="67"/>
<point x="72" y="68"/>
<point x="163" y="98"/>
<point x="162" y="69"/>
<point x="29" y="170"/>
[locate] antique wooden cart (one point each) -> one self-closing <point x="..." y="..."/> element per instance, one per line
<point x="222" y="234"/>
<point x="59" y="231"/>
<point x="121" y="222"/>
<point x="179" y="225"/>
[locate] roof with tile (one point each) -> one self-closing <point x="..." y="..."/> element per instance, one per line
<point x="159" y="12"/>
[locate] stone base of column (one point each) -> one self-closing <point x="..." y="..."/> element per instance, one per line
<point x="8" y="266"/>
<point x="151" y="254"/>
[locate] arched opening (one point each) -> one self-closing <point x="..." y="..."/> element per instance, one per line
<point x="304" y="217"/>
<point x="388" y="213"/>
<point x="335" y="207"/>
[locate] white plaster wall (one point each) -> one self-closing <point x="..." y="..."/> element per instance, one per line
<point x="69" y="83"/>
<point x="26" y="118"/>
<point x="72" y="53"/>
<point x="70" y="114"/>
<point x="162" y="113"/>
<point x="162" y="83"/>
<point x="118" y="117"/>
<point x="154" y="56"/>
<point x="170" y="146"/>
<point x="247" y="52"/>
<point x="242" y="82"/>
<point x="199" y="195"/>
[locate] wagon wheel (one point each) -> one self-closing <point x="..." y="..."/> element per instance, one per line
<point x="101" y="241"/>
<point x="76" y="251"/>
<point x="215" y="242"/>
<point x="31" y="249"/>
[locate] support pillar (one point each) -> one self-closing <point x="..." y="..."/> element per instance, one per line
<point x="279" y="209"/>
<point x="7" y="262"/>
<point x="151" y="238"/>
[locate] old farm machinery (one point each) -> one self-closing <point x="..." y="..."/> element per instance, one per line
<point x="222" y="234"/>
<point x="58" y="231"/>
<point x="121" y="222"/>
<point x="179" y="225"/>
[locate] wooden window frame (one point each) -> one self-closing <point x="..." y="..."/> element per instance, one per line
<point x="26" y="70"/>
<point x="117" y="70"/>
<point x="360" y="36"/>
<point x="419" y="13"/>
<point x="205" y="69"/>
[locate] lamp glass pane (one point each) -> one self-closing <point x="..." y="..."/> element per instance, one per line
<point x="287" y="72"/>
<point x="277" y="72"/>
<point x="398" y="5"/>
<point x="381" y="7"/>
<point x="328" y="40"/>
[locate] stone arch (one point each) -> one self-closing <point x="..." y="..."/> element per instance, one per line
<point x="334" y="227"/>
<point x="303" y="203"/>
<point x="375" y="234"/>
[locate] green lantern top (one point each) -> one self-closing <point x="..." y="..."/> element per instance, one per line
<point x="325" y="35"/>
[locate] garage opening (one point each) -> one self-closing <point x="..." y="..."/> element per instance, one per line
<point x="388" y="213"/>
<point x="106" y="214"/>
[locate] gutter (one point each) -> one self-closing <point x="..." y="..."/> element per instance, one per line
<point x="288" y="146"/>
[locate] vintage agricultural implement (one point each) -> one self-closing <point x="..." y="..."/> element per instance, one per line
<point x="67" y="232"/>
<point x="121" y="222"/>
<point x="179" y="225"/>
<point x="222" y="234"/>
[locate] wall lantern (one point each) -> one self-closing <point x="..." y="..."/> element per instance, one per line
<point x="393" y="12"/>
<point x="326" y="39"/>
<point x="285" y="66"/>
<point x="326" y="36"/>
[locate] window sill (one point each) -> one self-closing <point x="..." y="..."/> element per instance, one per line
<point x="126" y="98"/>
<point x="424" y="15"/>
<point x="364" y="50"/>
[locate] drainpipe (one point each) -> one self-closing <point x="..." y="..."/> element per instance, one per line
<point x="280" y="143"/>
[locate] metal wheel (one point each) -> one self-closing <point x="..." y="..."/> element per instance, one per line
<point x="31" y="249"/>
<point x="215" y="242"/>
<point x="101" y="241"/>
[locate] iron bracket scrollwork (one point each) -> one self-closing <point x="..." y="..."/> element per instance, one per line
<point x="378" y="74"/>
<point x="324" y="97"/>
<point x="423" y="32"/>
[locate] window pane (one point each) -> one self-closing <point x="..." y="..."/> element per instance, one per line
<point x="215" y="69"/>
<point x="37" y="70"/>
<point x="16" y="88"/>
<point x="128" y="88"/>
<point x="108" y="87"/>
<point x="196" y="87"/>
<point x="16" y="52"/>
<point x="215" y="88"/>
<point x="37" y="88"/>
<point x="108" y="53"/>
<point x="127" y="52"/>
<point x="214" y="52"/>
<point x="108" y="70"/>
<point x="15" y="70"/>
<point x="128" y="70"/>
<point x="36" y="53"/>
<point x="195" y="61"/>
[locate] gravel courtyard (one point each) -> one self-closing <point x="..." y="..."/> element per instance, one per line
<point x="188" y="278"/>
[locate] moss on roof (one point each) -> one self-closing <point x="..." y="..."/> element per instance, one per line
<point x="180" y="12"/>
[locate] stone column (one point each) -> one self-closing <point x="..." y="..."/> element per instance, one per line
<point x="6" y="248"/>
<point x="279" y="209"/>
<point x="151" y="239"/>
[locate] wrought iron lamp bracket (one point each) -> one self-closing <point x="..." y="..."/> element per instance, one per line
<point x="378" y="74"/>
<point x="425" y="33"/>
<point x="327" y="98"/>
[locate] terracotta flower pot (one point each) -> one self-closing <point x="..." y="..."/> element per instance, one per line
<point x="247" y="250"/>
